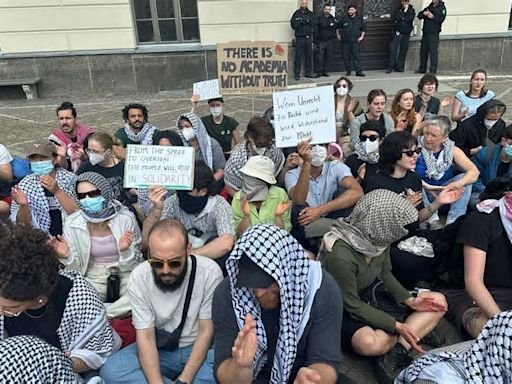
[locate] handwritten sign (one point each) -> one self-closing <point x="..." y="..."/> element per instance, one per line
<point x="252" y="67"/>
<point x="206" y="90"/>
<point x="170" y="167"/>
<point x="304" y="113"/>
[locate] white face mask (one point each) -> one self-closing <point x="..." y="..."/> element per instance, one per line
<point x="319" y="154"/>
<point x="260" y="150"/>
<point x="216" y="111"/>
<point x="188" y="133"/>
<point x="489" y="123"/>
<point x="342" y="91"/>
<point x="371" y="146"/>
<point x="96" y="158"/>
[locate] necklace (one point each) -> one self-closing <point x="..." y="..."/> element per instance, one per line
<point x="36" y="316"/>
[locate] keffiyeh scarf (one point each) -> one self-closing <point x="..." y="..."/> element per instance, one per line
<point x="144" y="136"/>
<point x="204" y="140"/>
<point x="378" y="219"/>
<point x="436" y="167"/>
<point x="505" y="206"/>
<point x="371" y="158"/>
<point x="232" y="174"/>
<point x="281" y="256"/>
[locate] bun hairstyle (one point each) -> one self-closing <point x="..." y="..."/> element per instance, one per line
<point x="67" y="105"/>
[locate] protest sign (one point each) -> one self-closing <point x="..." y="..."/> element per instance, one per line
<point x="170" y="167"/>
<point x="252" y="67"/>
<point x="304" y="113"/>
<point x="206" y="90"/>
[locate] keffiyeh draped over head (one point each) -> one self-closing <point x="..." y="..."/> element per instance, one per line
<point x="144" y="136"/>
<point x="378" y="220"/>
<point x="436" y="167"/>
<point x="204" y="140"/>
<point x="111" y="206"/>
<point x="277" y="253"/>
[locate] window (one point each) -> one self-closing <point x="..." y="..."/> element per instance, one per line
<point x="166" y="21"/>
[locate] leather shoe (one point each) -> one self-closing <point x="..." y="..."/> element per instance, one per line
<point x="360" y="74"/>
<point x="297" y="78"/>
<point x="348" y="73"/>
<point x="420" y="71"/>
<point x="316" y="75"/>
<point x="325" y="74"/>
<point x="309" y="76"/>
<point x="389" y="70"/>
<point x="399" y="70"/>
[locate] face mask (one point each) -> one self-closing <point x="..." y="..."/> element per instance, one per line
<point x="188" y="133"/>
<point x="508" y="150"/>
<point x="41" y="167"/>
<point x="489" y="123"/>
<point x="319" y="154"/>
<point x="259" y="150"/>
<point x="95" y="158"/>
<point x="254" y="189"/>
<point x="93" y="204"/>
<point x="216" y="111"/>
<point x="341" y="91"/>
<point x="371" y="146"/>
<point x="191" y="204"/>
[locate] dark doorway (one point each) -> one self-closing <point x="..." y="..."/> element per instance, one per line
<point x="375" y="47"/>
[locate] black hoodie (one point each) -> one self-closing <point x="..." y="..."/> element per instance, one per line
<point x="472" y="132"/>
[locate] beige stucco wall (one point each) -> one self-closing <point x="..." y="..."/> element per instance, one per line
<point x="65" y="25"/>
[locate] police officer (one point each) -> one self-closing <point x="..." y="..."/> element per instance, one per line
<point x="326" y="32"/>
<point x="353" y="29"/>
<point x="302" y="22"/>
<point x="402" y="28"/>
<point x="433" y="17"/>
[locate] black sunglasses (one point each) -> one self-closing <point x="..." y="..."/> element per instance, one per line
<point x="93" y="193"/>
<point x="371" y="138"/>
<point x="159" y="264"/>
<point x="411" y="152"/>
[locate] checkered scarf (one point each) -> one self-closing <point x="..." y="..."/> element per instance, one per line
<point x="281" y="256"/>
<point x="371" y="158"/>
<point x="436" y="167"/>
<point x="232" y="174"/>
<point x="144" y="136"/>
<point x="31" y="360"/>
<point x="204" y="140"/>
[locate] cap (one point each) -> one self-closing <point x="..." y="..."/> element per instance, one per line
<point x="221" y="99"/>
<point x="252" y="276"/>
<point x="373" y="125"/>
<point x="260" y="167"/>
<point x="43" y="148"/>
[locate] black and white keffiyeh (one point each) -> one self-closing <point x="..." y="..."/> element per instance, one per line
<point x="144" y="136"/>
<point x="232" y="174"/>
<point x="31" y="360"/>
<point x="204" y="140"/>
<point x="370" y="158"/>
<point x="276" y="252"/>
<point x="436" y="167"/>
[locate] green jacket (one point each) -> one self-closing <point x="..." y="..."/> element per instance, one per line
<point x="353" y="274"/>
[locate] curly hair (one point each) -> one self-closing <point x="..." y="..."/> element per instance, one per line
<point x="29" y="266"/>
<point x="396" y="109"/>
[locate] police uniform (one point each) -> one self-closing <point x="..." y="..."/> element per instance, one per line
<point x="402" y="29"/>
<point x="326" y="26"/>
<point x="351" y="29"/>
<point x="430" y="39"/>
<point x="302" y="22"/>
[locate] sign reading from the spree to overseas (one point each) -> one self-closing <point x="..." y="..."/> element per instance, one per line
<point x="170" y="167"/>
<point x="252" y="67"/>
<point x="304" y="113"/>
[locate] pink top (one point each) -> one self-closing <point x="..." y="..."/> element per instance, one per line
<point x="104" y="250"/>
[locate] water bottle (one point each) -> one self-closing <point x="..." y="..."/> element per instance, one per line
<point x="113" y="284"/>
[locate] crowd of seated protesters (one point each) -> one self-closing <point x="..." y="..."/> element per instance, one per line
<point x="253" y="274"/>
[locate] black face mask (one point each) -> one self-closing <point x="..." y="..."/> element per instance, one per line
<point x="191" y="204"/>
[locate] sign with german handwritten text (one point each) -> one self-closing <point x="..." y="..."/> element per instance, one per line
<point x="208" y="89"/>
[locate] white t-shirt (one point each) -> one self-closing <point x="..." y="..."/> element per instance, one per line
<point x="152" y="307"/>
<point x="5" y="156"/>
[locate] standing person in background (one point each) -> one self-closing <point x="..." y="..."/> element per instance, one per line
<point x="353" y="29"/>
<point x="302" y="22"/>
<point x="402" y="28"/>
<point x="433" y="17"/>
<point x="325" y="32"/>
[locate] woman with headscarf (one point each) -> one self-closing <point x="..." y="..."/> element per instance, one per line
<point x="381" y="318"/>
<point x="260" y="201"/>
<point x="102" y="240"/>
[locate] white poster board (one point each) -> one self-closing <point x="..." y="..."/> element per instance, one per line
<point x="206" y="90"/>
<point x="304" y="113"/>
<point x="333" y="11"/>
<point x="169" y="167"/>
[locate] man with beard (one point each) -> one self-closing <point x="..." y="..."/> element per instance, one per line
<point x="172" y="342"/>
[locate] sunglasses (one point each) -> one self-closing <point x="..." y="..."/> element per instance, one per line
<point x="93" y="193"/>
<point x="159" y="264"/>
<point x="341" y="85"/>
<point x="371" y="138"/>
<point x="411" y="152"/>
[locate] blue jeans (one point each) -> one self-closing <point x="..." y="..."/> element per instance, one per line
<point x="124" y="366"/>
<point x="457" y="208"/>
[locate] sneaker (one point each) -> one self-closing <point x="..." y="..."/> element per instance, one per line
<point x="391" y="364"/>
<point x="389" y="70"/>
<point x="360" y="74"/>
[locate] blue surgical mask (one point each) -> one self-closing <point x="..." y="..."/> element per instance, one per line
<point x="92" y="204"/>
<point x="508" y="150"/>
<point x="41" y="167"/>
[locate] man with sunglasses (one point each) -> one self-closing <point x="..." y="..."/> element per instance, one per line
<point x="158" y="291"/>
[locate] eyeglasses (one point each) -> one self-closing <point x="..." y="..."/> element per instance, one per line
<point x="341" y="85"/>
<point x="93" y="193"/>
<point x="411" y="152"/>
<point x="371" y="138"/>
<point x="159" y="264"/>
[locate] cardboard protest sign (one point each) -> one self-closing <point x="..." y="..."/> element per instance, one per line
<point x="252" y="67"/>
<point x="170" y="167"/>
<point x="208" y="89"/>
<point x="304" y="113"/>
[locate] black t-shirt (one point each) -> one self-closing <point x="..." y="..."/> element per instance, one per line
<point x="114" y="175"/>
<point x="222" y="132"/>
<point x="55" y="213"/>
<point x="486" y="232"/>
<point x="354" y="162"/>
<point x="433" y="105"/>
<point x="502" y="169"/>
<point x="320" y="342"/>
<point x="45" y="321"/>
<point x="379" y="180"/>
